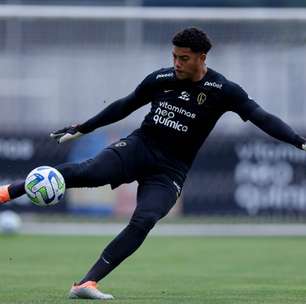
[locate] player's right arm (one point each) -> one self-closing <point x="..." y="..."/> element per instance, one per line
<point x="116" y="111"/>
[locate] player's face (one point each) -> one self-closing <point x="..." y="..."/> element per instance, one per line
<point x="187" y="64"/>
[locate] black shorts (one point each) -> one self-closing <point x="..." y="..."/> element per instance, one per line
<point x="140" y="162"/>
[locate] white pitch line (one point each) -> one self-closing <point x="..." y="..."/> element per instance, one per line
<point x="168" y="229"/>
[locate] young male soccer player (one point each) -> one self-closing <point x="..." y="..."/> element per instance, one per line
<point x="186" y="102"/>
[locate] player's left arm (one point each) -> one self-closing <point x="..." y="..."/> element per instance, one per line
<point x="248" y="109"/>
<point x="276" y="128"/>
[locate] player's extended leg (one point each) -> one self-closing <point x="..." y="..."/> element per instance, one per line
<point x="105" y="168"/>
<point x="155" y="198"/>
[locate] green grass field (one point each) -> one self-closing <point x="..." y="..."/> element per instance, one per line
<point x="210" y="270"/>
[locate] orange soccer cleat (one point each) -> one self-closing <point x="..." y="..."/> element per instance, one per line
<point x="88" y="290"/>
<point x="4" y="194"/>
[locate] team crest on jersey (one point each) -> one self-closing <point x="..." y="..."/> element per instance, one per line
<point x="201" y="98"/>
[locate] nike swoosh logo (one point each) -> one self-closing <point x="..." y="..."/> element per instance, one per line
<point x="167" y="91"/>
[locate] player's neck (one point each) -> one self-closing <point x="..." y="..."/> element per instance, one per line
<point x="200" y="75"/>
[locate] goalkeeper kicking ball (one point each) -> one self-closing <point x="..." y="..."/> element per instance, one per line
<point x="45" y="186"/>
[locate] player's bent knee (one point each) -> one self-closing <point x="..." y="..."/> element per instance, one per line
<point x="145" y="221"/>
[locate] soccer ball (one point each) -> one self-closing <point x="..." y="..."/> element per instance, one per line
<point x="10" y="222"/>
<point x="45" y="186"/>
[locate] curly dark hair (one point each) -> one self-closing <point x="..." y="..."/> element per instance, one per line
<point x="192" y="38"/>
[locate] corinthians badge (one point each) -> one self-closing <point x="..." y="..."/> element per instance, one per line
<point x="201" y="98"/>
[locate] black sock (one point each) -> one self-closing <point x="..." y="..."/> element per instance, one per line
<point x="16" y="189"/>
<point x="118" y="250"/>
<point x="98" y="271"/>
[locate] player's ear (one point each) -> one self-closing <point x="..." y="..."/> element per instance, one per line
<point x="203" y="57"/>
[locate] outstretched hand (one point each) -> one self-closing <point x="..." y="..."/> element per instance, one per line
<point x="66" y="134"/>
<point x="304" y="147"/>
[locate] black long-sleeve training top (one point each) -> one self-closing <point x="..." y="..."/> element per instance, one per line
<point x="183" y="113"/>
